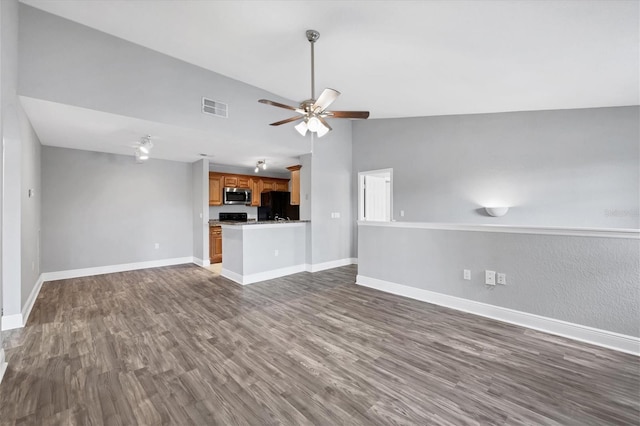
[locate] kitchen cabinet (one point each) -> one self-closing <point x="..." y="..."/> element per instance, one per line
<point x="267" y="185"/>
<point x="215" y="244"/>
<point x="295" y="184"/>
<point x="254" y="186"/>
<point x="215" y="189"/>
<point x="243" y="182"/>
<point x="230" y="181"/>
<point x="257" y="185"/>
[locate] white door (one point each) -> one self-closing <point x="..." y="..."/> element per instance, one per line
<point x="375" y="194"/>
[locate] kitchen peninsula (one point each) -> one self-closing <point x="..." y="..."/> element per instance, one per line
<point x="263" y="250"/>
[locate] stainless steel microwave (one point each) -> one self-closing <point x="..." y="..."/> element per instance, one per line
<point x="236" y="196"/>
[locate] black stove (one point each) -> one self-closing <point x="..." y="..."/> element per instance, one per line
<point x="232" y="217"/>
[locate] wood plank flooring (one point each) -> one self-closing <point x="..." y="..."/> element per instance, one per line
<point x="178" y="345"/>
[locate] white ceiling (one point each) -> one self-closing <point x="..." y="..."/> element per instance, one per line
<point x="396" y="58"/>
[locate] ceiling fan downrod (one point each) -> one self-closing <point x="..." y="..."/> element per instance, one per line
<point x="312" y="36"/>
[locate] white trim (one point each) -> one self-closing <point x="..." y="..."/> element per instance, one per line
<point x="253" y="226"/>
<point x="607" y="339"/>
<point x="9" y="322"/>
<point x="317" y="267"/>
<point x="513" y="229"/>
<point x="262" y="276"/>
<point x="109" y="269"/>
<point x="3" y="364"/>
<point x="204" y="263"/>
<point x="28" y="305"/>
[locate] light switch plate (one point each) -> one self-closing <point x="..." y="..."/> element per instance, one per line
<point x="490" y="277"/>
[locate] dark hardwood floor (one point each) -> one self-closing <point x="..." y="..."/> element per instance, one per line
<point x="177" y="345"/>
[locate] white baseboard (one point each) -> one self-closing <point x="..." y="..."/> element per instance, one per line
<point x="109" y="269"/>
<point x="3" y="364"/>
<point x="233" y="276"/>
<point x="262" y="276"/>
<point x="204" y="263"/>
<point x="607" y="339"/>
<point x="9" y="322"/>
<point x="317" y="267"/>
<point x="26" y="309"/>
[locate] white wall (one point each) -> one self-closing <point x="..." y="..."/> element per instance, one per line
<point x="104" y="209"/>
<point x="331" y="189"/>
<point x="12" y="161"/>
<point x="30" y="208"/>
<point x="572" y="168"/>
<point x="200" y="199"/>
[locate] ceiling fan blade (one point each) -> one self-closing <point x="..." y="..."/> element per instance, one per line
<point x="288" y="120"/>
<point x="325" y="99"/>
<point x="347" y="114"/>
<point x="279" y="105"/>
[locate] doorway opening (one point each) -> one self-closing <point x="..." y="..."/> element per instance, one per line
<point x="375" y="195"/>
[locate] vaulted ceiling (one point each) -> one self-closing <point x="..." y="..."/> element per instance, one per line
<point x="396" y="58"/>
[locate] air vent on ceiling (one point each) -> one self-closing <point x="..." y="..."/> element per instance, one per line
<point x="209" y="106"/>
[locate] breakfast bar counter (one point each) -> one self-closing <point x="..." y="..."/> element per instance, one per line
<point x="262" y="250"/>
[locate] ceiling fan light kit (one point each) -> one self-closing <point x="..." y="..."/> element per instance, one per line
<point x="313" y="111"/>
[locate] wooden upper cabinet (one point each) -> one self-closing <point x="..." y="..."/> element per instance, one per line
<point x="295" y="184"/>
<point x="254" y="186"/>
<point x="231" y="182"/>
<point x="215" y="189"/>
<point x="243" y="182"/>
<point x="257" y="185"/>
<point x="267" y="185"/>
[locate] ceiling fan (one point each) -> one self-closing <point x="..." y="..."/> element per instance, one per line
<point x="314" y="111"/>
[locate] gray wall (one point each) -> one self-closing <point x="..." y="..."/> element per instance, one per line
<point x="331" y="175"/>
<point x="103" y="209"/>
<point x="251" y="249"/>
<point x="584" y="280"/>
<point x="30" y="208"/>
<point x="65" y="62"/>
<point x="571" y="168"/>
<point x="12" y="152"/>
<point x="200" y="199"/>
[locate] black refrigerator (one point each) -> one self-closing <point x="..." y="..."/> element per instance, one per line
<point x="277" y="205"/>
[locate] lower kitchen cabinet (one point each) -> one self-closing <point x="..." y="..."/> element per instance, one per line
<point x="215" y="244"/>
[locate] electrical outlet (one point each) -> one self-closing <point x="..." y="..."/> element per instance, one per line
<point x="276" y="253"/>
<point x="502" y="279"/>
<point x="490" y="277"/>
<point x="337" y="215"/>
<point x="157" y="245"/>
<point x="401" y="213"/>
<point x="467" y="274"/>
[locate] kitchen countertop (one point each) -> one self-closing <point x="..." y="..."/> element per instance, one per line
<point x="255" y="222"/>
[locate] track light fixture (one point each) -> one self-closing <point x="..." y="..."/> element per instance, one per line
<point x="261" y="164"/>
<point x="143" y="149"/>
